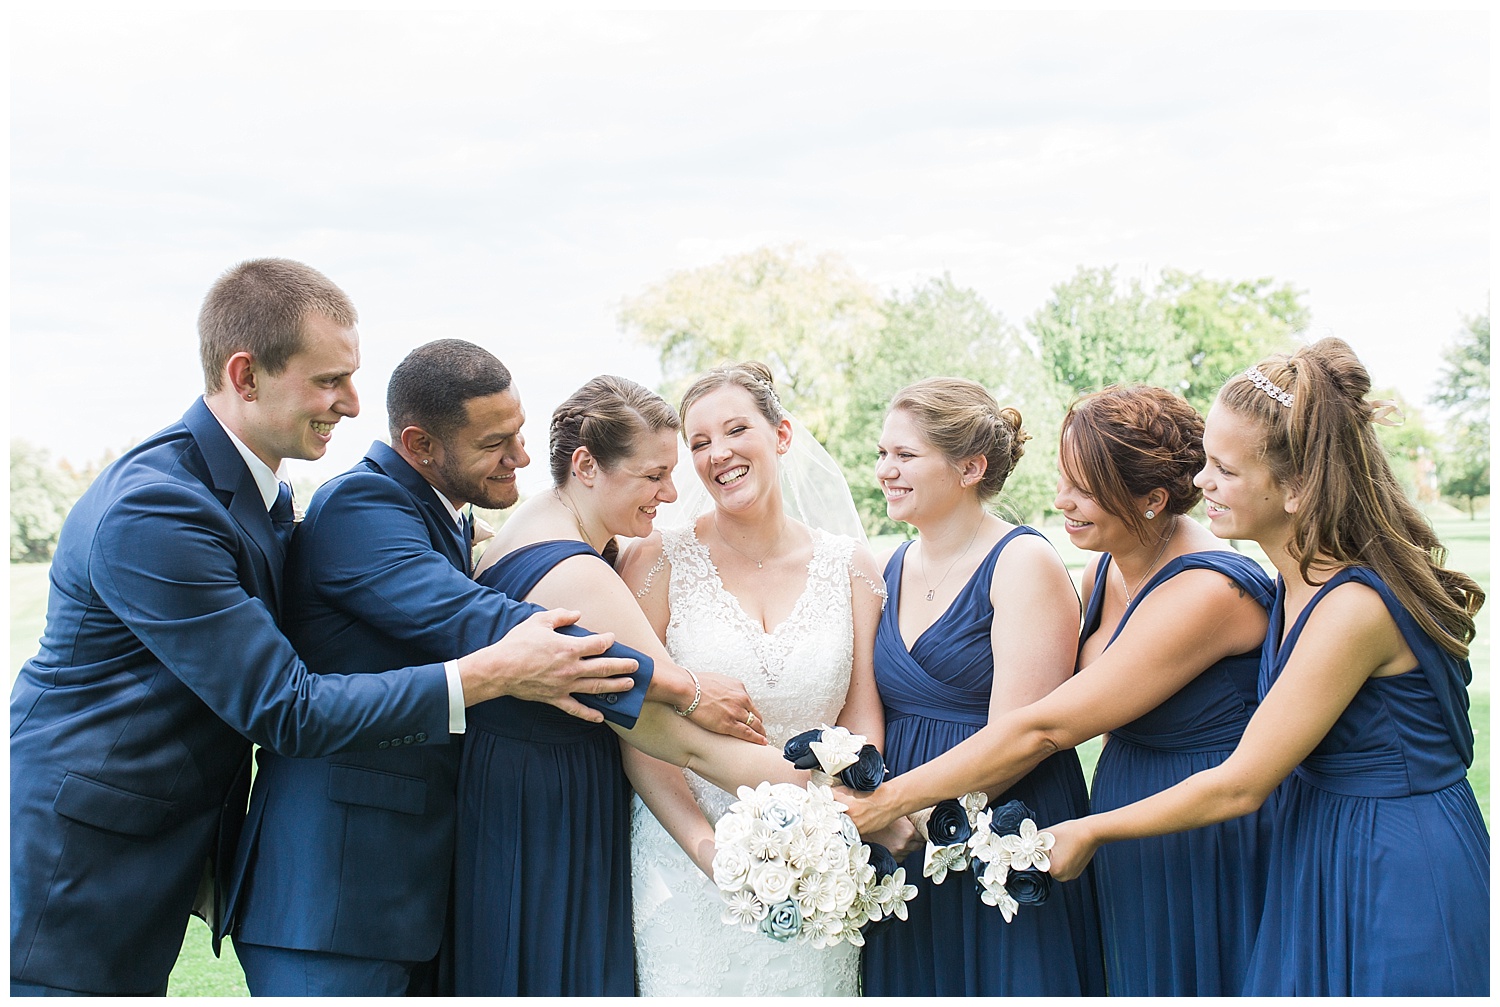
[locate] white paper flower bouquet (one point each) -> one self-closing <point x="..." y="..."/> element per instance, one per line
<point x="790" y="864"/>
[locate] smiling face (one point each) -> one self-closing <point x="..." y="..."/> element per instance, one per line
<point x="1244" y="500"/>
<point x="477" y="463"/>
<point x="734" y="447"/>
<point x="1089" y="525"/>
<point x="294" y="412"/>
<point x="627" y="494"/>
<point x="918" y="480"/>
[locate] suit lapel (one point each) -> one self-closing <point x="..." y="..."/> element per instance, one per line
<point x="445" y="534"/>
<point x="231" y="479"/>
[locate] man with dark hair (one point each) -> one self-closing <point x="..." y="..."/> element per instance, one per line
<point x="161" y="655"/>
<point x="344" y="873"/>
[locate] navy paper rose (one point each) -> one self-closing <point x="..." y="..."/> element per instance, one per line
<point x="882" y="860"/>
<point x="1030" y="887"/>
<point x="867" y="773"/>
<point x="1006" y="819"/>
<point x="949" y="824"/>
<point x="799" y="751"/>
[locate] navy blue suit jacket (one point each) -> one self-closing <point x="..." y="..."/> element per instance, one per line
<point x="128" y="752"/>
<point x="354" y="854"/>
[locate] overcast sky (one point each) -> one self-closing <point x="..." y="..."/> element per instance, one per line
<point x="509" y="179"/>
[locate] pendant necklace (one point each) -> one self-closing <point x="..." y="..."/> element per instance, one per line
<point x="922" y="559"/>
<point x="1129" y="594"/>
<point x="759" y="563"/>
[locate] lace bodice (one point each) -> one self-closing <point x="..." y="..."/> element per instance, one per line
<point x="798" y="674"/>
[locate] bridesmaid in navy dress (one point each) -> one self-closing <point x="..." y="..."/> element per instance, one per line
<point x="1379" y="866"/>
<point x="542" y="894"/>
<point x="1167" y="664"/>
<point x="981" y="619"/>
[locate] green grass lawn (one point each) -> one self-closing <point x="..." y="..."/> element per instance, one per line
<point x="198" y="973"/>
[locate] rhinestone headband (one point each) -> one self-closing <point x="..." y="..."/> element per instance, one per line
<point x="1264" y="383"/>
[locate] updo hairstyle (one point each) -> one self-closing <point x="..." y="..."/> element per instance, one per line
<point x="961" y="419"/>
<point x="1120" y="443"/>
<point x="1350" y="507"/>
<point x="752" y="375"/>
<point x="607" y="415"/>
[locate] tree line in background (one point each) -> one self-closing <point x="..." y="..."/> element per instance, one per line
<point x="839" y="350"/>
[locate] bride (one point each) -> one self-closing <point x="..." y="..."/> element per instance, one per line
<point x="746" y="590"/>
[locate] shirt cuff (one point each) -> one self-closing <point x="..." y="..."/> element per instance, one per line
<point x="457" y="722"/>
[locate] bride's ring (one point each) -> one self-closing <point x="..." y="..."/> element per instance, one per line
<point x="750" y="719"/>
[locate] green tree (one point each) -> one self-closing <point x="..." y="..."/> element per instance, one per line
<point x="1464" y="392"/>
<point x="41" y="493"/>
<point x="1227" y="326"/>
<point x="1094" y="332"/>
<point x="804" y="316"/>
<point x="1410" y="445"/>
<point x="940" y="328"/>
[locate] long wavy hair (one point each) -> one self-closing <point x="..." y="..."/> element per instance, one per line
<point x="1351" y="510"/>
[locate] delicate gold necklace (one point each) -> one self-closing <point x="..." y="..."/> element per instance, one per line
<point x="922" y="560"/>
<point x="576" y="519"/>
<point x="1129" y="594"/>
<point x="759" y="563"/>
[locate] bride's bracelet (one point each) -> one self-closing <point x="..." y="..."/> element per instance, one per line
<point x="697" y="695"/>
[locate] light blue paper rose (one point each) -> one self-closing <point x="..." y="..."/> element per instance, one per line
<point x="783" y="922"/>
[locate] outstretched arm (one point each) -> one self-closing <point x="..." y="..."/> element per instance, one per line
<point x="1189" y="623"/>
<point x="1347" y="639"/>
<point x="609" y="606"/>
<point x="365" y="550"/>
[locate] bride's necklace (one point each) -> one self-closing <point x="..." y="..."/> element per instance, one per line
<point x="759" y="563"/>
<point x="1129" y="594"/>
<point x="922" y="560"/>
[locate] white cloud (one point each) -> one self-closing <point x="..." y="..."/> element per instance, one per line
<point x="509" y="179"/>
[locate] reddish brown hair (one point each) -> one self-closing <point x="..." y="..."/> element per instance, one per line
<point x="1121" y="443"/>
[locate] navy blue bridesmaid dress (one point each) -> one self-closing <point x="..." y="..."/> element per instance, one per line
<point x="1380" y="866"/>
<point x="936" y="695"/>
<point x="542" y="892"/>
<point x="1181" y="911"/>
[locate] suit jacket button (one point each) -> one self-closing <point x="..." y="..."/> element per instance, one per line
<point x="407" y="740"/>
<point x="395" y="742"/>
<point x="384" y="744"/>
<point x="421" y="736"/>
<point x="611" y="698"/>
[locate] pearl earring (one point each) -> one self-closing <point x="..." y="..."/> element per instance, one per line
<point x="1150" y="514"/>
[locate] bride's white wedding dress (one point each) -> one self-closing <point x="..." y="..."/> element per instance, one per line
<point x="798" y="675"/>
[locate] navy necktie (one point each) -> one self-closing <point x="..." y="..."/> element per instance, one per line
<point x="467" y="532"/>
<point x="283" y="518"/>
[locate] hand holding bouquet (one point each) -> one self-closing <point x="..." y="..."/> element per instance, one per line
<point x="790" y="864"/>
<point x="1004" y="839"/>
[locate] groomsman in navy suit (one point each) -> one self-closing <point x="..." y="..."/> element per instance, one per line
<point x="345" y="863"/>
<point x="161" y="655"/>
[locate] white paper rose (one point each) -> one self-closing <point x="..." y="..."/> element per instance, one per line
<point x="731" y="868"/>
<point x="772" y="881"/>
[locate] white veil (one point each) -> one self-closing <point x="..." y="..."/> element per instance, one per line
<point x="813" y="489"/>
